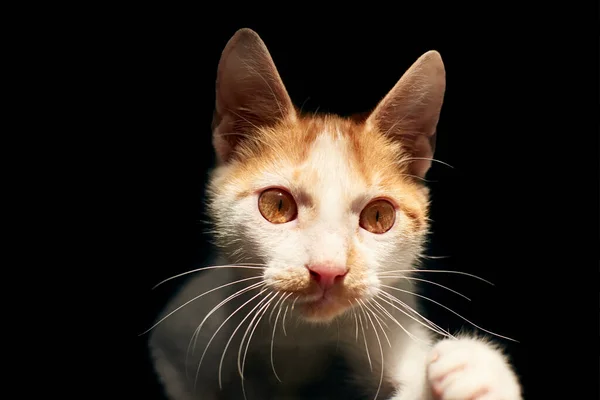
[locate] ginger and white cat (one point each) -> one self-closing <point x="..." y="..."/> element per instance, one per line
<point x="324" y="218"/>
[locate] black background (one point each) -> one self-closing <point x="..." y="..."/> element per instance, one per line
<point x="508" y="211"/>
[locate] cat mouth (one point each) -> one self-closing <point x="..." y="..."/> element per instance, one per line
<point x="324" y="298"/>
<point x="318" y="300"/>
<point x="323" y="306"/>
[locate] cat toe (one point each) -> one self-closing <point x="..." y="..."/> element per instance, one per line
<point x="468" y="369"/>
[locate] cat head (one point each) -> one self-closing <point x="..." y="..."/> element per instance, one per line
<point x="327" y="204"/>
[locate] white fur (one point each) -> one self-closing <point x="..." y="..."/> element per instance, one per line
<point x="470" y="369"/>
<point x="326" y="238"/>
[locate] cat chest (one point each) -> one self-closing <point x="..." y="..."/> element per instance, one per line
<point x="323" y="372"/>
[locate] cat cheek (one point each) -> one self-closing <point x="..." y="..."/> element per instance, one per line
<point x="275" y="229"/>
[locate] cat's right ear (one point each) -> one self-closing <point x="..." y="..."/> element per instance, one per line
<point x="249" y="94"/>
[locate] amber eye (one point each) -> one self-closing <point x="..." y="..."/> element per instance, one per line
<point x="378" y="216"/>
<point x="277" y="206"/>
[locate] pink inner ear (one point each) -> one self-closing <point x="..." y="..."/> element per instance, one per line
<point x="411" y="110"/>
<point x="249" y="95"/>
<point x="423" y="150"/>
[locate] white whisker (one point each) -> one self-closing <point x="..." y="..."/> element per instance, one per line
<point x="248" y="328"/>
<point x="217" y="331"/>
<point x="380" y="351"/>
<point x="363" y="313"/>
<point x="365" y="338"/>
<point x="247" y="266"/>
<point x="294" y="303"/>
<point x="426" y="159"/>
<point x="431" y="326"/>
<point x="452" y="311"/>
<point x="410" y="278"/>
<point x="433" y="257"/>
<point x="195" y="298"/>
<point x="283" y="320"/>
<point x="196" y="333"/>
<point x="390" y="316"/>
<point x="274" y="307"/>
<point x="380" y="313"/>
<point x="355" y="319"/>
<point x="194" y="337"/>
<point x="273" y="335"/>
<point x="437" y="270"/>
<point x="233" y="334"/>
<point x="262" y="313"/>
<point x="379" y="321"/>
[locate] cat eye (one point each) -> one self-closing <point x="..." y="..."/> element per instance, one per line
<point x="378" y="216"/>
<point x="277" y="206"/>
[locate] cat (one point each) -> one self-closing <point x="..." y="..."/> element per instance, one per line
<point x="319" y="220"/>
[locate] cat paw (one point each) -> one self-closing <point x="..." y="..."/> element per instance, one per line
<point x="469" y="369"/>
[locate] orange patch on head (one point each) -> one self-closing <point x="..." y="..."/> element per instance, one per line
<point x="375" y="158"/>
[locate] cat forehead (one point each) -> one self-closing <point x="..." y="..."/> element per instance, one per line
<point x="330" y="172"/>
<point x="320" y="156"/>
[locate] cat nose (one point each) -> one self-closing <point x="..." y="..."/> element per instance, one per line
<point x="327" y="275"/>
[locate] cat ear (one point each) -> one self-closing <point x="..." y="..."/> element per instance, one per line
<point x="249" y="93"/>
<point x="410" y="111"/>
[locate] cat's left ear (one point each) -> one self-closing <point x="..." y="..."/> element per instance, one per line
<point x="249" y="94"/>
<point x="411" y="110"/>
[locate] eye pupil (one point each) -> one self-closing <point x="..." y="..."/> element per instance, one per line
<point x="277" y="206"/>
<point x="378" y="216"/>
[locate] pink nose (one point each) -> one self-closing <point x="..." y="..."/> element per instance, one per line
<point x="326" y="275"/>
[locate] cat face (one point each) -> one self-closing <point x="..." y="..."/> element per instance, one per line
<point x="325" y="203"/>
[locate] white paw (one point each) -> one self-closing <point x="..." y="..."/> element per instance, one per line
<point x="468" y="369"/>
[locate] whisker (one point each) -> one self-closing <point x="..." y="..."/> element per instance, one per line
<point x="294" y="303"/>
<point x="250" y="326"/>
<point x="194" y="338"/>
<point x="217" y="331"/>
<point x="426" y="159"/>
<point x="437" y="270"/>
<point x="233" y="334"/>
<point x="380" y="351"/>
<point x="247" y="266"/>
<point x="379" y="321"/>
<point x="273" y="335"/>
<point x="283" y="321"/>
<point x="410" y="278"/>
<point x="215" y="308"/>
<point x="262" y="314"/>
<point x="452" y="311"/>
<point x="434" y="257"/>
<point x="380" y="313"/>
<point x="390" y="316"/>
<point x="363" y="313"/>
<point x="284" y="300"/>
<point x="431" y="325"/>
<point x="365" y="338"/>
<point x="355" y="318"/>
<point x="274" y="307"/>
<point x="195" y="298"/>
<point x="356" y="324"/>
<point x="418" y="177"/>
